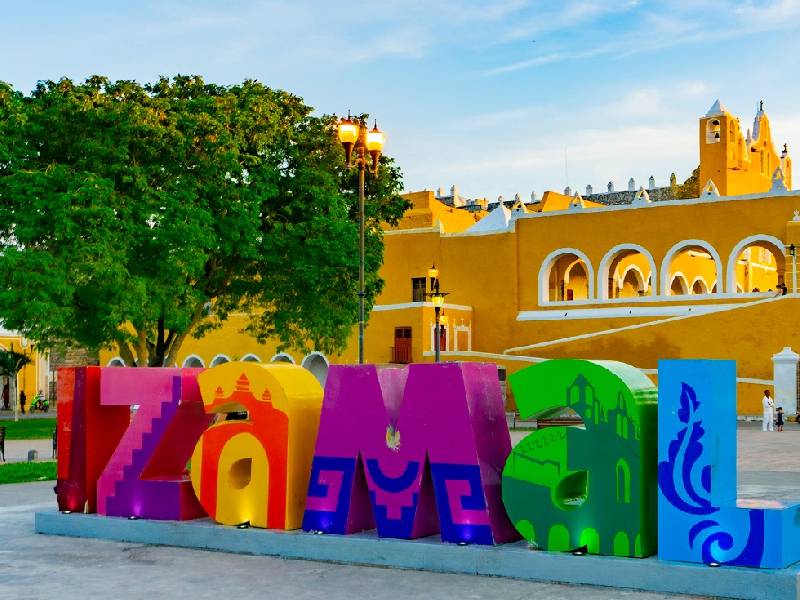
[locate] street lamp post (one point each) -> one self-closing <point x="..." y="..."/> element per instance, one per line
<point x="354" y="135"/>
<point x="437" y="298"/>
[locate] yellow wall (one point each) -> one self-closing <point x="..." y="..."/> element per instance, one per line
<point x="552" y="201"/>
<point x="32" y="377"/>
<point x="426" y="211"/>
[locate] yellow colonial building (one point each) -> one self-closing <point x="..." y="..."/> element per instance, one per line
<point x="634" y="276"/>
<point x="33" y="378"/>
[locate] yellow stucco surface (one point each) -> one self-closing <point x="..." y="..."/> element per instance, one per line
<point x="32" y="377"/>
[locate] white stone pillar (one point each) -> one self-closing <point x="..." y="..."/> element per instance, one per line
<point x="784" y="368"/>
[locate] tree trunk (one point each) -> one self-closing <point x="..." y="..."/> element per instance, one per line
<point x="12" y="392"/>
<point x="142" y="354"/>
<point x="127" y="354"/>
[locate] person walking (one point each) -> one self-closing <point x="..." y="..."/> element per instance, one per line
<point x="769" y="406"/>
<point x="23" y="399"/>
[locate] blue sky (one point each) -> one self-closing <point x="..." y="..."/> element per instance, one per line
<point x="497" y="97"/>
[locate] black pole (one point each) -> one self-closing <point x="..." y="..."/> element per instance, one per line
<point x="361" y="167"/>
<point x="437" y="339"/>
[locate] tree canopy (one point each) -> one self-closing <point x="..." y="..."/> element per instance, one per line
<point x="137" y="215"/>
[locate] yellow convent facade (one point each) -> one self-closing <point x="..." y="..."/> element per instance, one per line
<point x="635" y="280"/>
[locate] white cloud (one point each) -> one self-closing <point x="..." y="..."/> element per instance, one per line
<point x="672" y="23"/>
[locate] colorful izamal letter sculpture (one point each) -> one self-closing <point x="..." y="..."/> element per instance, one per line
<point x="699" y="517"/>
<point x="256" y="470"/>
<point x="568" y="487"/>
<point x="396" y="447"/>
<point x="87" y="436"/>
<point x="146" y="476"/>
<point x="421" y="450"/>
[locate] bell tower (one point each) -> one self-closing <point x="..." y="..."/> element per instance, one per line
<point x="737" y="164"/>
<point x="718" y="142"/>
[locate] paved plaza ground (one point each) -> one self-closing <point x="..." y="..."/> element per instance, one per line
<point x="37" y="566"/>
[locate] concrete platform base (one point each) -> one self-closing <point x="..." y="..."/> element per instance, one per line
<point x="429" y="554"/>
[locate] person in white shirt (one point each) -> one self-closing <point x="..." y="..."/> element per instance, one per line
<point x="769" y="406"/>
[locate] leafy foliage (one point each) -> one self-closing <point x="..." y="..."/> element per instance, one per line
<point x="12" y="362"/>
<point x="138" y="215"/>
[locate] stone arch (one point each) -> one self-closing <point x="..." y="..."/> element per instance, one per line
<point x="638" y="274"/>
<point x="317" y="364"/>
<point x="617" y="253"/>
<point x="116" y="362"/>
<point x="631" y="283"/>
<point x="251" y="358"/>
<point x="193" y="362"/>
<point x="282" y="357"/>
<point x="547" y="266"/>
<point x="220" y="359"/>
<point x="699" y="286"/>
<point x="772" y="243"/>
<point x="685" y="245"/>
<point x="682" y="286"/>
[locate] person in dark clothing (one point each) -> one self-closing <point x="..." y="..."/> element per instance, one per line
<point x="22" y="400"/>
<point x="5" y="396"/>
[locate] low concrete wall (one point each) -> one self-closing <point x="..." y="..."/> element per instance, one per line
<point x="429" y="554"/>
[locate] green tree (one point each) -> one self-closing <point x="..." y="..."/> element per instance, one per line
<point x="136" y="216"/>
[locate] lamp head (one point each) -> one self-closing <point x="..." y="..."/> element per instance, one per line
<point x="433" y="272"/>
<point x="348" y="130"/>
<point x="437" y="299"/>
<point x="374" y="143"/>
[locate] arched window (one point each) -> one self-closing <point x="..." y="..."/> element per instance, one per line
<point x="713" y="131"/>
<point x="623" y="472"/>
<point x="699" y="286"/>
<point x="219" y="359"/>
<point x="193" y="362"/>
<point x="626" y="271"/>
<point x="317" y="364"/>
<point x="632" y="283"/>
<point x="566" y="275"/>
<point x="282" y="357"/>
<point x="678" y="286"/>
<point x="757" y="263"/>
<point x="251" y="358"/>
<point x="692" y="259"/>
<point x="116" y="362"/>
